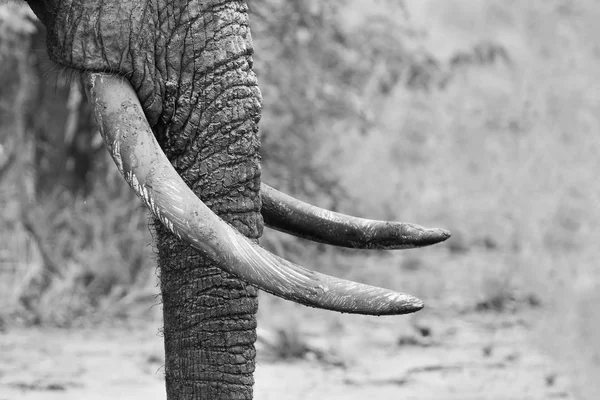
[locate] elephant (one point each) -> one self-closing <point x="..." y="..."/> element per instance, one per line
<point x="177" y="103"/>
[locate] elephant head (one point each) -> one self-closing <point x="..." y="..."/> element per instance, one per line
<point x="178" y="105"/>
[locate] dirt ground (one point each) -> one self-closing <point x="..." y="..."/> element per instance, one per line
<point x="473" y="356"/>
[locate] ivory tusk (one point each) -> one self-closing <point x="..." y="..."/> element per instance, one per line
<point x="290" y="215"/>
<point x="146" y="168"/>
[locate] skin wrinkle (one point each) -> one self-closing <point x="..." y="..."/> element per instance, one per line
<point x="237" y="162"/>
<point x="211" y="103"/>
<point x="230" y="379"/>
<point x="199" y="126"/>
<point x="231" y="353"/>
<point x="196" y="328"/>
<point x="232" y="127"/>
<point x="99" y="29"/>
<point x="205" y="157"/>
<point x="227" y="336"/>
<point x="205" y="101"/>
<point x="214" y="291"/>
<point x="190" y="338"/>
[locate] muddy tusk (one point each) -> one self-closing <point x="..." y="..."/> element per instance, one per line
<point x="287" y="214"/>
<point x="145" y="167"/>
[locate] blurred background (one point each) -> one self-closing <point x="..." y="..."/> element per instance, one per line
<point x="476" y="116"/>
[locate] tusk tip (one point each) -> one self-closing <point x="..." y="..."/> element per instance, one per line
<point x="427" y="236"/>
<point x="437" y="235"/>
<point x="401" y="304"/>
<point x="412" y="304"/>
<point x="406" y="305"/>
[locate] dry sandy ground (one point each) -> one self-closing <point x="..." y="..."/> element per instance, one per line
<point x="477" y="356"/>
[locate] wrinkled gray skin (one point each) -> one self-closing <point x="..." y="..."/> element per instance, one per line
<point x="190" y="63"/>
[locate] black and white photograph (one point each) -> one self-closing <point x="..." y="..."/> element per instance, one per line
<point x="299" y="199"/>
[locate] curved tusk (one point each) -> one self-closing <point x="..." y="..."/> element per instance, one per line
<point x="145" y="167"/>
<point x="287" y="214"/>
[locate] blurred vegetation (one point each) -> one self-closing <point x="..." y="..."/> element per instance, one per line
<point x="75" y="239"/>
<point x="478" y="116"/>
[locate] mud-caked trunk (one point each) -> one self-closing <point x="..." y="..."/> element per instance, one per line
<point x="211" y="137"/>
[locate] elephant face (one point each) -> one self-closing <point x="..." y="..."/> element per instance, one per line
<point x="181" y="72"/>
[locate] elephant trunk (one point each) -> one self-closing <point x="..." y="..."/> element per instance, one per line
<point x="211" y="138"/>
